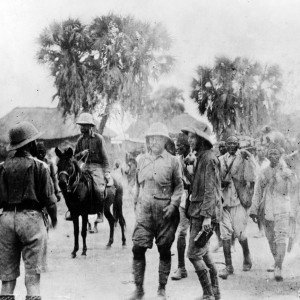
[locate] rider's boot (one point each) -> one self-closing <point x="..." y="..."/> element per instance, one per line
<point x="139" y="267"/>
<point x="100" y="194"/>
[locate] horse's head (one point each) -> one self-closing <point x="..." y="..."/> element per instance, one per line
<point x="65" y="167"/>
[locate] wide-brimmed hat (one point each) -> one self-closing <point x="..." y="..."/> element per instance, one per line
<point x="159" y="129"/>
<point x="86" y="119"/>
<point x="200" y="129"/>
<point x="22" y="134"/>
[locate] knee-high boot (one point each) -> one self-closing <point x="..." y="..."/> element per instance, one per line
<point x="163" y="274"/>
<point x="247" y="263"/>
<point x="206" y="284"/>
<point x="280" y="253"/>
<point x="214" y="280"/>
<point x="138" y="267"/>
<point x="228" y="270"/>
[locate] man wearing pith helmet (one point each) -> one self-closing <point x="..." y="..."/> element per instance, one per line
<point x="90" y="147"/>
<point x="203" y="207"/>
<point x="159" y="191"/>
<point x="26" y="189"/>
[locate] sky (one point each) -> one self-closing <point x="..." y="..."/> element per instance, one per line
<point x="263" y="30"/>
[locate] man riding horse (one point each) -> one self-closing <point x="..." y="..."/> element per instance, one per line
<point x="90" y="148"/>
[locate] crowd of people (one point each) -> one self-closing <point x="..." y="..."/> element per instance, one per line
<point x="194" y="188"/>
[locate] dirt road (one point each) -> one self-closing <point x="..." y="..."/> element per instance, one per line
<point x="106" y="273"/>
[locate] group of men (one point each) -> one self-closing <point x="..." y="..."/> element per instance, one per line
<point x="214" y="193"/>
<point x="195" y="191"/>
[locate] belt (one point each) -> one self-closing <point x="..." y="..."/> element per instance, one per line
<point x="161" y="198"/>
<point x="21" y="206"/>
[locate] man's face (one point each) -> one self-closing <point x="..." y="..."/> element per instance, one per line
<point x="41" y="153"/>
<point x="232" y="145"/>
<point x="157" y="143"/>
<point x="260" y="153"/>
<point x="274" y="156"/>
<point x="222" y="150"/>
<point x="85" y="128"/>
<point x="181" y="149"/>
<point x="193" y="141"/>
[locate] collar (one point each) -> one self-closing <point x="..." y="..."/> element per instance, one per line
<point x="22" y="154"/>
<point x="164" y="154"/>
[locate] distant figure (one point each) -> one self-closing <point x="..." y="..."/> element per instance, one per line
<point x="41" y="155"/>
<point x="143" y="152"/>
<point x="131" y="177"/>
<point x="272" y="201"/>
<point x="118" y="171"/>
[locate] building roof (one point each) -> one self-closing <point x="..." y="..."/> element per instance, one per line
<point x="46" y="119"/>
<point x="139" y="128"/>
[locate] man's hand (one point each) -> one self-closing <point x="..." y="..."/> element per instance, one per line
<point x="168" y="211"/>
<point x="245" y="154"/>
<point x="107" y="176"/>
<point x="84" y="152"/>
<point x="58" y="196"/>
<point x="206" y="225"/>
<point x="254" y="218"/>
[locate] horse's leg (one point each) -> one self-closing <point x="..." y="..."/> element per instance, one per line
<point x="111" y="221"/>
<point x="122" y="225"/>
<point x="75" y="219"/>
<point x="83" y="233"/>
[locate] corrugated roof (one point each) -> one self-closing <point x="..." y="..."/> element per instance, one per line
<point x="49" y="120"/>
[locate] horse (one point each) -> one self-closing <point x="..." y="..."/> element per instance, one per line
<point x="77" y="186"/>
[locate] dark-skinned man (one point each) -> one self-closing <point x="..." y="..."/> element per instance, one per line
<point x="204" y="207"/>
<point x="159" y="191"/>
<point x="238" y="174"/>
<point x="272" y="200"/>
<point x="90" y="147"/>
<point x="25" y="190"/>
<point x="182" y="149"/>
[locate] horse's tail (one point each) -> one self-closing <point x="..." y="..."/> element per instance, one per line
<point x="117" y="205"/>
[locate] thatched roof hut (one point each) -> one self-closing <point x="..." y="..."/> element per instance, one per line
<point x="139" y="128"/>
<point x="57" y="129"/>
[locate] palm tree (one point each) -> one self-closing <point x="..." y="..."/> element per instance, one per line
<point x="237" y="95"/>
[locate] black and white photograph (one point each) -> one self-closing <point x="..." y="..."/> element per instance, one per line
<point x="149" y="150"/>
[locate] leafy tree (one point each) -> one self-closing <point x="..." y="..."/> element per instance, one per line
<point x="237" y="95"/>
<point x="108" y="61"/>
<point x="164" y="104"/>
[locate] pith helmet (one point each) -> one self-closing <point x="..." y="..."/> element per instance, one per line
<point x="200" y="129"/>
<point x="86" y="119"/>
<point x="159" y="129"/>
<point x="22" y="134"/>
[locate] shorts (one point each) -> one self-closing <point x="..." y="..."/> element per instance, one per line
<point x="22" y="233"/>
<point x="195" y="252"/>
<point x="234" y="220"/>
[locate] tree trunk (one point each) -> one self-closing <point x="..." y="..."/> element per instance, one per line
<point x="105" y="117"/>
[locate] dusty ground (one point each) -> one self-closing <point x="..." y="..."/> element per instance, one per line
<point x="106" y="273"/>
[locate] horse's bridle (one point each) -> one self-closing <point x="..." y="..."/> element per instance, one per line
<point x="73" y="187"/>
